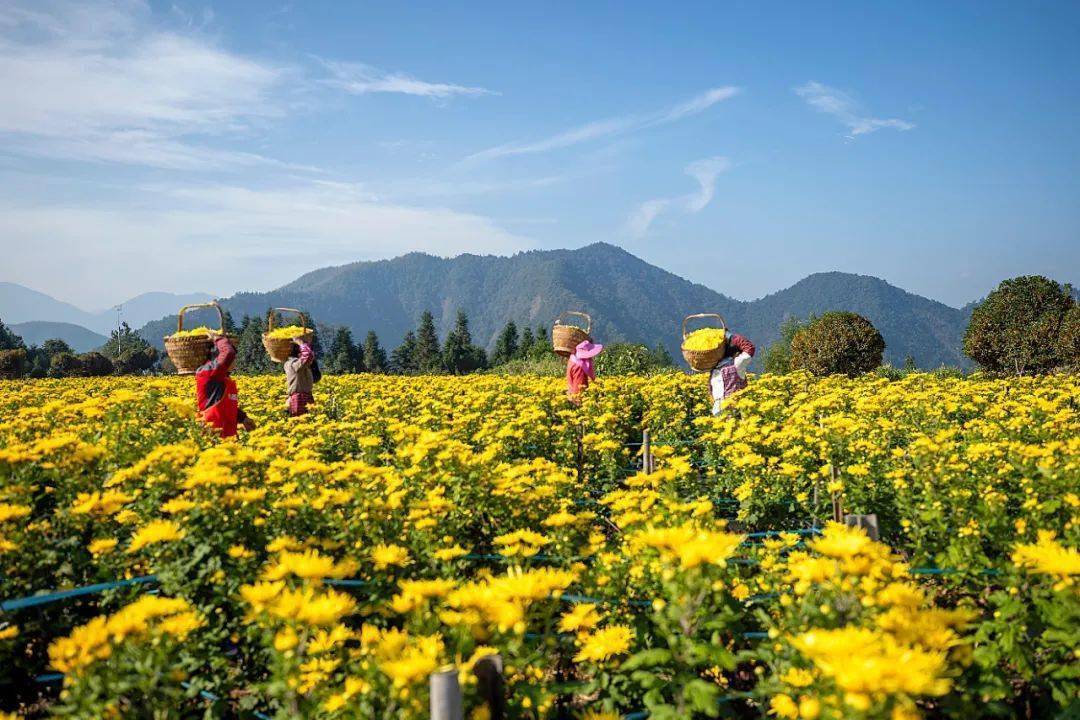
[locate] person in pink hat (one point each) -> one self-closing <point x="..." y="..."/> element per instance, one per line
<point x="579" y="369"/>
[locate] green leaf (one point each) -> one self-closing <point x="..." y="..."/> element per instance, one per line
<point x="647" y="659"/>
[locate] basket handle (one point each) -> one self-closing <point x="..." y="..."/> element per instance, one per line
<point x="702" y="315"/>
<point x="221" y="315"/>
<point x="588" y="320"/>
<point x="273" y="311"/>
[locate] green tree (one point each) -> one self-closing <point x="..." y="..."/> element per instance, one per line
<point x="344" y="356"/>
<point x="403" y="358"/>
<point x="9" y="340"/>
<point x="661" y="358"/>
<point x="777" y="359"/>
<point x="95" y="364"/>
<point x="506" y="346"/>
<point x="228" y="324"/>
<point x="374" y="355"/>
<point x="54" y="346"/>
<point x="251" y="357"/>
<point x="1015" y="329"/>
<point x="837" y="343"/>
<point x="1068" y="341"/>
<point x="528" y="340"/>
<point x="65" y="364"/>
<point x="37" y="362"/>
<point x="121" y="341"/>
<point x="428" y="354"/>
<point x="12" y="363"/>
<point x="460" y="356"/>
<point x="128" y="351"/>
<point x="627" y="359"/>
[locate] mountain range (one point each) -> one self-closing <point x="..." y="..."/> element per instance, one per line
<point x="36" y="332"/>
<point x="19" y="304"/>
<point x="629" y="300"/>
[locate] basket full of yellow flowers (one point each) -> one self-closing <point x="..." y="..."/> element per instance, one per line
<point x="278" y="341"/>
<point x="704" y="347"/>
<point x="188" y="349"/>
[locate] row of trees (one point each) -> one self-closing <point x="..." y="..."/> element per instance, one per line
<point x="124" y="353"/>
<point x="1028" y="324"/>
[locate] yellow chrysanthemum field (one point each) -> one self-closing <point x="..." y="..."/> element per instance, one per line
<point x="326" y="566"/>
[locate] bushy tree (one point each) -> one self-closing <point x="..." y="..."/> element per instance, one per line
<point x="403" y="358"/>
<point x="428" y="354"/>
<point x="506" y="346"/>
<point x="54" y="346"/>
<point x="843" y="343"/>
<point x="374" y="355"/>
<point x="460" y="356"/>
<point x="136" y="361"/>
<point x="661" y="358"/>
<point x="777" y="359"/>
<point x="1016" y="329"/>
<point x="1068" y="340"/>
<point x="628" y="359"/>
<point x="128" y="351"/>
<point x="344" y="356"/>
<point x="9" y="340"/>
<point x="251" y="357"/>
<point x="94" y="364"/>
<point x="12" y="363"/>
<point x="65" y="364"/>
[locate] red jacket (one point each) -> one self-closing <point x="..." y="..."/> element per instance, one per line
<point x="738" y="344"/>
<point x="215" y="390"/>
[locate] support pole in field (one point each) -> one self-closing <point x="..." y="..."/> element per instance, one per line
<point x="646" y="451"/>
<point x="490" y="685"/>
<point x="868" y="523"/>
<point x="446" y="703"/>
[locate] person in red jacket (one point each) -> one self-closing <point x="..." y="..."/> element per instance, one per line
<point x="216" y="393"/>
<point x="579" y="369"/>
<point x="729" y="375"/>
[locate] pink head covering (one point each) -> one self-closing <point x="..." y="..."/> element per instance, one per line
<point x="587" y="349"/>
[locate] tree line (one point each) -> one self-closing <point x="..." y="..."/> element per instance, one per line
<point x="421" y="351"/>
<point x="1028" y="324"/>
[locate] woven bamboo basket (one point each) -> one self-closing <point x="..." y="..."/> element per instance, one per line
<point x="189" y="353"/>
<point x="703" y="360"/>
<point x="279" y="349"/>
<point x="565" y="338"/>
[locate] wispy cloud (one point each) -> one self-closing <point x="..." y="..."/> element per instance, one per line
<point x="705" y="172"/>
<point x="360" y="79"/>
<point x="846" y="109"/>
<point x="610" y="127"/>
<point x="263" y="236"/>
<point x="97" y="81"/>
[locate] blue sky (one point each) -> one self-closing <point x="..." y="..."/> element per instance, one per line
<point x="231" y="146"/>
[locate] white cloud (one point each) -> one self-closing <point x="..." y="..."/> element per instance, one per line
<point x="845" y="108"/>
<point x="705" y="172"/>
<point x="360" y="79"/>
<point x="96" y="81"/>
<point x="225" y="237"/>
<point x="610" y="127"/>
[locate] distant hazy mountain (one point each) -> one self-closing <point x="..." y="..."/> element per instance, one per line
<point x="19" y="304"/>
<point x="144" y="308"/>
<point x="79" y="338"/>
<point x="629" y="299"/>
